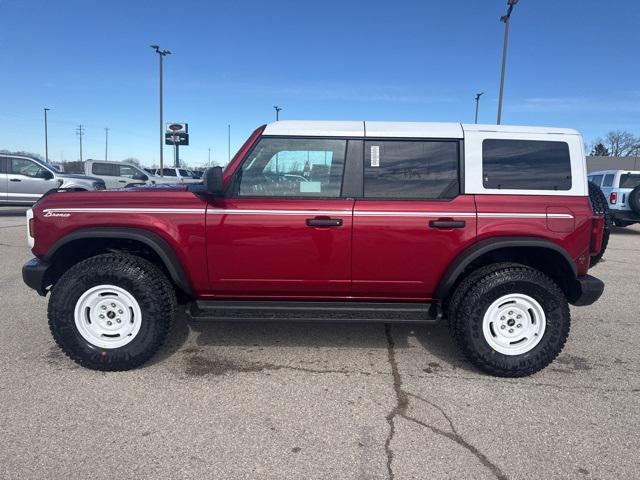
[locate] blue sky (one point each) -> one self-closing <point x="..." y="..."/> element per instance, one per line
<point x="572" y="63"/>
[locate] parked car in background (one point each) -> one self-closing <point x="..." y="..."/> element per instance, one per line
<point x="183" y="175"/>
<point x="23" y="180"/>
<point x="622" y="191"/>
<point x="488" y="226"/>
<point x="122" y="174"/>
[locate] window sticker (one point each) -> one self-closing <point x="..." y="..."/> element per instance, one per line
<point x="375" y="155"/>
<point x="310" y="187"/>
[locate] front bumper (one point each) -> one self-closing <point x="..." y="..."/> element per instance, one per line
<point x="589" y="289"/>
<point x="34" y="275"/>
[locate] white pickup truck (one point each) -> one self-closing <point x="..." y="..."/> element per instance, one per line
<point x="123" y="174"/>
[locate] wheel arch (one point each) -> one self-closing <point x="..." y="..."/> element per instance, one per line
<point x="87" y="242"/>
<point x="539" y="253"/>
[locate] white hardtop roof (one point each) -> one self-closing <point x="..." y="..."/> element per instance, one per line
<point x="324" y="128"/>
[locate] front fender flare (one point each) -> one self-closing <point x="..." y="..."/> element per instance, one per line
<point x="150" y="239"/>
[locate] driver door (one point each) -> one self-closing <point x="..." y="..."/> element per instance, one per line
<point x="283" y="230"/>
<point x="26" y="180"/>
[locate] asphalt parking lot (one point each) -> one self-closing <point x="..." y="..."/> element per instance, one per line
<point x="286" y="400"/>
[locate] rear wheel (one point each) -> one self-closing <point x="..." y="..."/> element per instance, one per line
<point x="112" y="311"/>
<point x="512" y="322"/>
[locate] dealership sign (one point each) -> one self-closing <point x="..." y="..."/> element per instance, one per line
<point x="177" y="134"/>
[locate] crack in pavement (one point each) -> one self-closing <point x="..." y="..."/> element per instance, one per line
<point x="400" y="409"/>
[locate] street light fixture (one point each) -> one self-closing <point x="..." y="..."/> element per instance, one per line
<point x="478" y="95"/>
<point x="277" y="109"/>
<point x="161" y="55"/>
<point x="505" y="19"/>
<point x="46" y="136"/>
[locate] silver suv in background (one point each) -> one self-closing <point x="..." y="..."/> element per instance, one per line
<point x="622" y="190"/>
<point x="182" y="175"/>
<point x="123" y="174"/>
<point x="23" y="180"/>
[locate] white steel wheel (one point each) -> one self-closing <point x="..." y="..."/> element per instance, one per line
<point x="514" y="324"/>
<point x="107" y="316"/>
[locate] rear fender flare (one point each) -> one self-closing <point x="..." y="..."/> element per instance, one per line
<point x="458" y="266"/>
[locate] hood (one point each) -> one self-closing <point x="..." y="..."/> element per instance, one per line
<point x="79" y="177"/>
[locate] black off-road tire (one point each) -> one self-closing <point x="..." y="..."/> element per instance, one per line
<point x="600" y="207"/>
<point x="486" y="290"/>
<point x="634" y="200"/>
<point x="464" y="286"/>
<point x="143" y="280"/>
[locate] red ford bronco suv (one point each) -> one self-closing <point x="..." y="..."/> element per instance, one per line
<point x="490" y="227"/>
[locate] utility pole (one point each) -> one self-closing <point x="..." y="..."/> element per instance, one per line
<point x="478" y="95"/>
<point x="209" y="161"/>
<point x="229" y="141"/>
<point x="106" y="144"/>
<point x="46" y="137"/>
<point x="161" y="55"/>
<point x="80" y="133"/>
<point x="505" y="18"/>
<point x="277" y="109"/>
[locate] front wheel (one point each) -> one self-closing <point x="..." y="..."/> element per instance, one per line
<point x="111" y="312"/>
<point x="513" y="322"/>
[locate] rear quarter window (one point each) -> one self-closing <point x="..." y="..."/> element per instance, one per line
<point x="526" y="165"/>
<point x="608" y="180"/>
<point x="629" y="180"/>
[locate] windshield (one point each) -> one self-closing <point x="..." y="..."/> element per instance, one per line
<point x="629" y="180"/>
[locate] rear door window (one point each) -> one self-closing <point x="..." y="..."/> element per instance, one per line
<point x="105" y="169"/>
<point x="526" y="165"/>
<point x="597" y="179"/>
<point x="402" y="169"/>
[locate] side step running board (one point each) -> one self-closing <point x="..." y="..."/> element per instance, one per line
<point x="260" y="311"/>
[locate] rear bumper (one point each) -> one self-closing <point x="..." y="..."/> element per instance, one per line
<point x="34" y="274"/>
<point x="589" y="290"/>
<point x="625" y="215"/>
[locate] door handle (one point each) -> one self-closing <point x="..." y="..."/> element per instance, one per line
<point x="447" y="223"/>
<point x="15" y="180"/>
<point x="324" y="222"/>
<point x="122" y="181"/>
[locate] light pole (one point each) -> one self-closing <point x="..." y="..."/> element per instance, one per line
<point x="505" y="19"/>
<point x="277" y="109"/>
<point x="478" y="95"/>
<point x="106" y="144"/>
<point x="46" y="137"/>
<point x="229" y="141"/>
<point x="161" y="55"/>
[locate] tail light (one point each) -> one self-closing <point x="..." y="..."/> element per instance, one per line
<point x="597" y="231"/>
<point x="613" y="198"/>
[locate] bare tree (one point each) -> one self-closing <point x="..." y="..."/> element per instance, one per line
<point x="620" y="143"/>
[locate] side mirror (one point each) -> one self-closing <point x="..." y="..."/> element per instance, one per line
<point x="212" y="180"/>
<point x="140" y="176"/>
<point x="47" y="175"/>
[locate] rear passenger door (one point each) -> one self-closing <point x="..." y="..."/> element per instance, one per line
<point x="107" y="172"/>
<point x="412" y="219"/>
